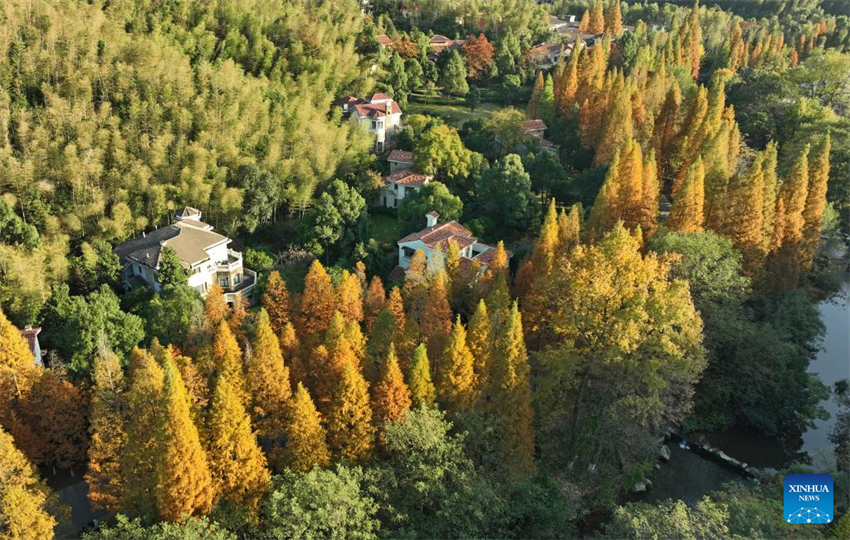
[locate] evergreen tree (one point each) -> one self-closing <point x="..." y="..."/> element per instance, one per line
<point x="350" y="430"/>
<point x="665" y="138"/>
<point x="376" y="300"/>
<point x="456" y="372"/>
<point x="350" y="297"/>
<point x="23" y="497"/>
<point x="237" y="464"/>
<point x="276" y="302"/>
<point x="170" y="270"/>
<point x="391" y="396"/>
<point x="543" y="252"/>
<point x="268" y="381"/>
<point x="533" y="108"/>
<point x="453" y="78"/>
<point x="511" y="397"/>
<point x="318" y="300"/>
<point x="617" y="124"/>
<point x="569" y="228"/>
<point x="422" y="391"/>
<point x="622" y="195"/>
<point x="815" y="201"/>
<point x="687" y="212"/>
<point x="141" y="452"/>
<point x="546" y="111"/>
<point x="306" y="446"/>
<point x="108" y="438"/>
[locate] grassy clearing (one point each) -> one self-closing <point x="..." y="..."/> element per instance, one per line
<point x="385" y="229"/>
<point x="453" y="110"/>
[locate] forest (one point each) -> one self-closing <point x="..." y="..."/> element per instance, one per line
<point x="658" y="257"/>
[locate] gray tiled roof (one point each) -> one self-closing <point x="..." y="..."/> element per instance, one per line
<point x="190" y="241"/>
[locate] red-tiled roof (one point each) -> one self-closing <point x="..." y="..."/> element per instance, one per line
<point x="438" y="38"/>
<point x="401" y="156"/>
<point x="534" y="125"/>
<point x="384" y="40"/>
<point x="440" y="235"/>
<point x="407" y="177"/>
<point x="378" y="97"/>
<point x="376" y="109"/>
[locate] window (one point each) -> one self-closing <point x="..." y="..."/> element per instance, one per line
<point x="377" y="124"/>
<point x="395" y="203"/>
<point x="237" y="279"/>
<point x="408" y="253"/>
<point x="224" y="282"/>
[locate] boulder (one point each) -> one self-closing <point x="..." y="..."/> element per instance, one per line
<point x="640" y="487"/>
<point x="664" y="453"/>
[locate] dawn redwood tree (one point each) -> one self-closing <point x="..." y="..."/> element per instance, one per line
<point x="306" y="438"/>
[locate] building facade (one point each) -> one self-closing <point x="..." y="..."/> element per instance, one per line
<point x="378" y="113"/>
<point x="204" y="254"/>
<point x="434" y="240"/>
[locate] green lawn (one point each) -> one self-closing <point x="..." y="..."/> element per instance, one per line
<point x="385" y="229"/>
<point x="452" y="110"/>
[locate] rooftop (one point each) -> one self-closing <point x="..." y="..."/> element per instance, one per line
<point x="440" y="235"/>
<point x="400" y="156"/>
<point x="534" y="125"/>
<point x="190" y="239"/>
<point x="376" y="105"/>
<point x="408" y="177"/>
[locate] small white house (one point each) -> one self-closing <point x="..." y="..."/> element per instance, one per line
<point x="30" y="334"/>
<point x="434" y="240"/>
<point x="399" y="185"/>
<point x="399" y="160"/>
<point x="378" y="113"/>
<point x="204" y="254"/>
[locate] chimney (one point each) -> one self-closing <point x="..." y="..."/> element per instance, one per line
<point x="572" y="18"/>
<point x="389" y="106"/>
<point x="431" y="219"/>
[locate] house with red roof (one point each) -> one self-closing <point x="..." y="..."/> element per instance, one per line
<point x="434" y="240"/>
<point x="399" y="185"/>
<point x="378" y="113"/>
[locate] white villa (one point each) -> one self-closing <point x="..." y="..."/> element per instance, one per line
<point x="379" y="113"/>
<point x="399" y="185"/>
<point x="434" y="241"/>
<point x="205" y="255"/>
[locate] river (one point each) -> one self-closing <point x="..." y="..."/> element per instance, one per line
<point x="688" y="476"/>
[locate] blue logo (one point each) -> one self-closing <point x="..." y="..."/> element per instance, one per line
<point x="808" y="498"/>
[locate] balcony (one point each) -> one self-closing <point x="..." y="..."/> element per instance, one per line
<point x="233" y="262"/>
<point x="244" y="288"/>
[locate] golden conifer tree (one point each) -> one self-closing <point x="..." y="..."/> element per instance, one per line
<point x="651" y="190"/>
<point x="584" y="24"/>
<point x="665" y="135"/>
<point x="569" y="228"/>
<point x="183" y="479"/>
<point x="415" y="287"/>
<point x="23" y="497"/>
<point x="456" y="372"/>
<point x="481" y="345"/>
<point x="533" y="109"/>
<point x="771" y="186"/>
<point x="511" y="396"/>
<point x="391" y="396"/>
<point x="395" y="305"/>
<point x="215" y="308"/>
<point x="566" y="96"/>
<point x="687" y="212"/>
<point x="422" y="391"/>
<point x="276" y="301"/>
<point x="378" y="346"/>
<point x="742" y="216"/>
<point x="437" y="316"/>
<point x="785" y="263"/>
<point x="268" y="381"/>
<point x="238" y="466"/>
<point x="318" y="301"/>
<point x="543" y="252"/>
<point x="306" y="444"/>
<point x="614" y="18"/>
<point x="596" y="24"/>
<point x="350" y="297"/>
<point x="622" y="195"/>
<point x="815" y="200"/>
<point x="290" y="346"/>
<point x="691" y="136"/>
<point x="15" y="354"/>
<point x="107" y="433"/>
<point x="227" y="357"/>
<point x="140" y="456"/>
<point x="328" y="366"/>
<point x="237" y="318"/>
<point x="350" y="430"/>
<point x="376" y="300"/>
